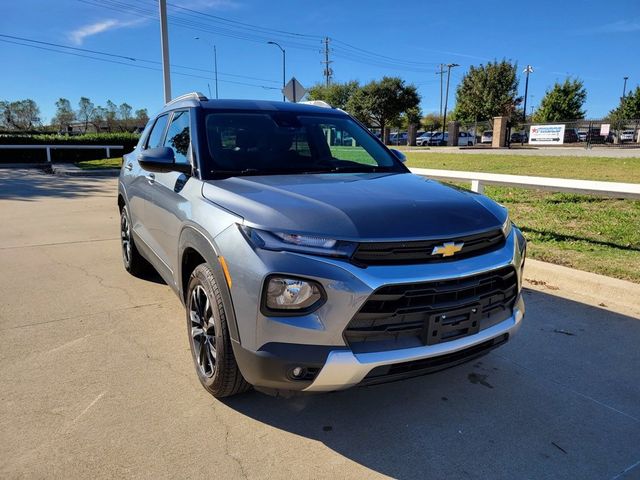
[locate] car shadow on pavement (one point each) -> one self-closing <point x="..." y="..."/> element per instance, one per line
<point x="561" y="400"/>
<point x="32" y="184"/>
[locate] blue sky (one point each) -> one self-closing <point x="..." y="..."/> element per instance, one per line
<point x="595" y="41"/>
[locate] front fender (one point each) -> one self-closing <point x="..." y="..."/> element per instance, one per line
<point x="195" y="238"/>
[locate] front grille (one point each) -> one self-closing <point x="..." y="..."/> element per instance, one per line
<point x="398" y="316"/>
<point x="390" y="253"/>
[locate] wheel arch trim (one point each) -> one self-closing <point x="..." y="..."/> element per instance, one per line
<point x="191" y="237"/>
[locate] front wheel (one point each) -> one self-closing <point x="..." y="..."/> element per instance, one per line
<point x="209" y="337"/>
<point x="134" y="263"/>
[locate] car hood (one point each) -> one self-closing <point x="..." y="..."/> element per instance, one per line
<point x="361" y="206"/>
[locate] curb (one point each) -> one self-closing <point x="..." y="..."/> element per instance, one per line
<point x="598" y="290"/>
<point x="70" y="169"/>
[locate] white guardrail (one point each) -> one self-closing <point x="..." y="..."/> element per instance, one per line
<point x="73" y="147"/>
<point x="589" y="187"/>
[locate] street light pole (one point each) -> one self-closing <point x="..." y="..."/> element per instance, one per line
<point x="215" y="62"/>
<point x="284" y="66"/>
<point x="446" y="99"/>
<point x="624" y="89"/>
<point x="527" y="71"/>
<point x="164" y="40"/>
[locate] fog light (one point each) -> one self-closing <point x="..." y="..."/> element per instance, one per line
<point x="297" y="372"/>
<point x="292" y="294"/>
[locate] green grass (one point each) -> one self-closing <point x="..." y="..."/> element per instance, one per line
<point x="590" y="233"/>
<point x="102" y="163"/>
<point x="354" y="154"/>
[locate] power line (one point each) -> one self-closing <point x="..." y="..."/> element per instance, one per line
<point x="131" y="64"/>
<point x="133" y="59"/>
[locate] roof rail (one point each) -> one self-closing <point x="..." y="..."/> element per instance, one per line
<point x="317" y="103"/>
<point x="189" y="96"/>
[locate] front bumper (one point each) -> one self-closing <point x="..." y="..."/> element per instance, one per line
<point x="270" y="347"/>
<point x="344" y="369"/>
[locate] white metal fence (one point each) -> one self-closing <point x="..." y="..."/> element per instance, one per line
<point x="590" y="187"/>
<point x="107" y="148"/>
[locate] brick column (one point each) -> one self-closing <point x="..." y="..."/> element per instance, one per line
<point x="499" y="131"/>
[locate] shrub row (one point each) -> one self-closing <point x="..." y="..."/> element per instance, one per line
<point x="127" y="140"/>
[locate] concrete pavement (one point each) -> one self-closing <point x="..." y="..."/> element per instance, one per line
<point x="96" y="378"/>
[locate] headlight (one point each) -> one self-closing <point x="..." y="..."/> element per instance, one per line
<point x="293" y="242"/>
<point x="506" y="227"/>
<point x="291" y="295"/>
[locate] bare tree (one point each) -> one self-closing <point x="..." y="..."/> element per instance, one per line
<point x="85" y="110"/>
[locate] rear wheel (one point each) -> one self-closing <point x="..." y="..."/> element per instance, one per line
<point x="134" y="263"/>
<point x="209" y="337"/>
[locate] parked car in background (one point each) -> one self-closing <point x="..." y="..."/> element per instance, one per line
<point x="465" y="139"/>
<point x="582" y="136"/>
<point x="570" y="135"/>
<point x="398" y="138"/>
<point x="626" y="136"/>
<point x="487" y="136"/>
<point x="423" y="139"/>
<point x="519" y="137"/>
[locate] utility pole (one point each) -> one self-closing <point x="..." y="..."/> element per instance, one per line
<point x="446" y="99"/>
<point x="624" y="89"/>
<point x="164" y="39"/>
<point x="441" y="73"/>
<point x="527" y="71"/>
<point x="215" y="67"/>
<point x="327" y="69"/>
<point x="284" y="67"/>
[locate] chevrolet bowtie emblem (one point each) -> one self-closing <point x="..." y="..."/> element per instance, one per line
<point x="447" y="249"/>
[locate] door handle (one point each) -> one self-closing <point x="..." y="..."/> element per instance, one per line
<point x="151" y="178"/>
<point x="129" y="166"/>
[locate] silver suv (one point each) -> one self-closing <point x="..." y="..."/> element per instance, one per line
<point x="305" y="264"/>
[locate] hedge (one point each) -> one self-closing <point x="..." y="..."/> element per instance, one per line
<point x="127" y="140"/>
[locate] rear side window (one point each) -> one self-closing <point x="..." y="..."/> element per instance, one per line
<point x="179" y="136"/>
<point x="155" y="137"/>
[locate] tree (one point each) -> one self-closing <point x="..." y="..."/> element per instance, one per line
<point x="335" y="94"/>
<point x="380" y="103"/>
<point x="111" y="115"/>
<point x="431" y="122"/>
<point x="563" y="102"/>
<point x="487" y="91"/>
<point x="64" y="114"/>
<point x="142" y="117"/>
<point x="85" y="110"/>
<point x="124" y="112"/>
<point x="19" y="115"/>
<point x="629" y="107"/>
<point x="98" y="118"/>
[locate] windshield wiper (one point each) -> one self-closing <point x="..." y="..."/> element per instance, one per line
<point x="218" y="174"/>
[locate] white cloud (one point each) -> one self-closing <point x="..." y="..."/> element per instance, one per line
<point x="621" y="26"/>
<point x="80" y="34"/>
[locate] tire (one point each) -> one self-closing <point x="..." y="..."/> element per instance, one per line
<point x="134" y="263"/>
<point x="209" y="339"/>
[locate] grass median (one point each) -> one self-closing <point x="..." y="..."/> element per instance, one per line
<point x="595" y="234"/>
<point x="101" y="163"/>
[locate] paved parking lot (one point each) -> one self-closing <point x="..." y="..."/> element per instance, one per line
<point x="96" y="378"/>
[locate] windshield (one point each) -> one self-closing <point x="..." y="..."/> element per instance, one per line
<point x="287" y="143"/>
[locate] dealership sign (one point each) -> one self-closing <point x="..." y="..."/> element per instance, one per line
<point x="546" y="134"/>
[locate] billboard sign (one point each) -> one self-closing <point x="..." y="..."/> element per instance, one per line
<point x="546" y="135"/>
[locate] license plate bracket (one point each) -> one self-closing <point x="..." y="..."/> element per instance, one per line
<point x="449" y="325"/>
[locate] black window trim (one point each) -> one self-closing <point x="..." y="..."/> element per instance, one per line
<point x="164" y="131"/>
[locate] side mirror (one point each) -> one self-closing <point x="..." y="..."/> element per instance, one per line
<point x="401" y="156"/>
<point x="161" y="160"/>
